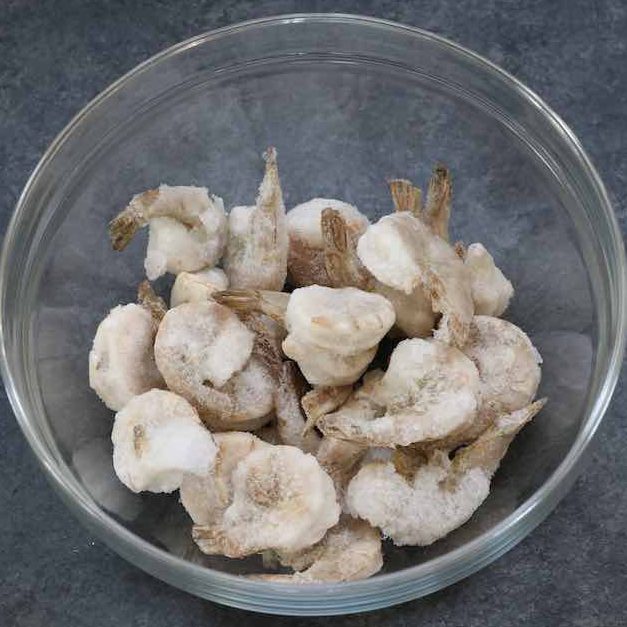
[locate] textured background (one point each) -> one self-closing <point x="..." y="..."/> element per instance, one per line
<point x="57" y="55"/>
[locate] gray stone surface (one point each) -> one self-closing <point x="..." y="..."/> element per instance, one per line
<point x="55" y="56"/>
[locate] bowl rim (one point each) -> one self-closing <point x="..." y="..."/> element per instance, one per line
<point x="451" y="566"/>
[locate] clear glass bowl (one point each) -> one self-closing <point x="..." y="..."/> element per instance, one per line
<point x="348" y="101"/>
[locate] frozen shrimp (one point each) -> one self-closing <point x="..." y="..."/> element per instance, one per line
<point x="306" y="261"/>
<point x="403" y="253"/>
<point x="282" y="500"/>
<point x="349" y="551"/>
<point x="187" y="228"/>
<point x="121" y="361"/>
<point x="429" y="391"/>
<point x="256" y="251"/>
<point x="442" y="494"/>
<point x="507" y="361"/>
<point x="158" y="438"/>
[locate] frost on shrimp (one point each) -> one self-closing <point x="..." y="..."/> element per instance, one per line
<point x="121" y="361"/>
<point x="191" y="287"/>
<point x="507" y="361"/>
<point x="205" y="354"/>
<point x="349" y="551"/>
<point x="430" y="391"/>
<point x="256" y="251"/>
<point x="187" y="228"/>
<point x="282" y="500"/>
<point x="491" y="290"/>
<point x="306" y="261"/>
<point x="332" y="333"/>
<point x="414" y="314"/>
<point x="158" y="438"/>
<point x="442" y="494"/>
<point x="403" y="253"/>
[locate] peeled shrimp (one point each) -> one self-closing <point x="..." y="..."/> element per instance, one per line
<point x="158" y="438"/>
<point x="282" y="500"/>
<point x="256" y="251"/>
<point x="430" y="391"/>
<point x="121" y="361"/>
<point x="187" y="228"/>
<point x="349" y="551"/>
<point x="491" y="291"/>
<point x="306" y="262"/>
<point x="414" y="315"/>
<point x="206" y="497"/>
<point x="332" y="333"/>
<point x="402" y="253"/>
<point x="289" y="416"/>
<point x="442" y="494"/>
<point x="191" y="287"/>
<point x="507" y="361"/>
<point x="205" y="354"/>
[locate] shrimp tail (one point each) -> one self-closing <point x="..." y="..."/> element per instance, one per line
<point x="321" y="401"/>
<point x="406" y="196"/>
<point x="340" y="257"/>
<point x="148" y="298"/>
<point x="489" y="449"/>
<point x="123" y="227"/>
<point x="438" y="206"/>
<point x="244" y="301"/>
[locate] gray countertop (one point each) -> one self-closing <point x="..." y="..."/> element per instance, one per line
<point x="57" y="55"/>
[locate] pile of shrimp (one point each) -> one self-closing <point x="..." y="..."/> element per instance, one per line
<point x="319" y="383"/>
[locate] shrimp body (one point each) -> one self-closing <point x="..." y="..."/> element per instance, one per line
<point x="121" y="361"/>
<point x="256" y="251"/>
<point x="187" y="228"/>
<point x="442" y="494"/>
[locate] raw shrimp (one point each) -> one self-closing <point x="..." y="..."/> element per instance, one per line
<point x="332" y="333"/>
<point x="430" y="391"/>
<point x="121" y="361"/>
<point x="323" y="400"/>
<point x="402" y="253"/>
<point x="507" y="361"/>
<point x="289" y="417"/>
<point x="256" y="251"/>
<point x="191" y="287"/>
<point x="206" y="497"/>
<point x="306" y="261"/>
<point x="349" y="551"/>
<point x="491" y="291"/>
<point x="414" y="315"/>
<point x="157" y="439"/>
<point x="282" y="500"/>
<point x="442" y="494"/>
<point x="205" y="354"/>
<point x="187" y="228"/>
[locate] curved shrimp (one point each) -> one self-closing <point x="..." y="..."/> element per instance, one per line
<point x="430" y="391"/>
<point x="158" y="438"/>
<point x="332" y="333"/>
<point x="187" y="228"/>
<point x="281" y="500"/>
<point x="256" y="251"/>
<point x="349" y="551"/>
<point x="403" y="253"/>
<point x="414" y="314"/>
<point x="121" y="360"/>
<point x="205" y="354"/>
<point x="442" y="494"/>
<point x="306" y="261"/>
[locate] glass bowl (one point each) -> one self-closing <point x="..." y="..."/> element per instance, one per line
<point x="348" y="101"/>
